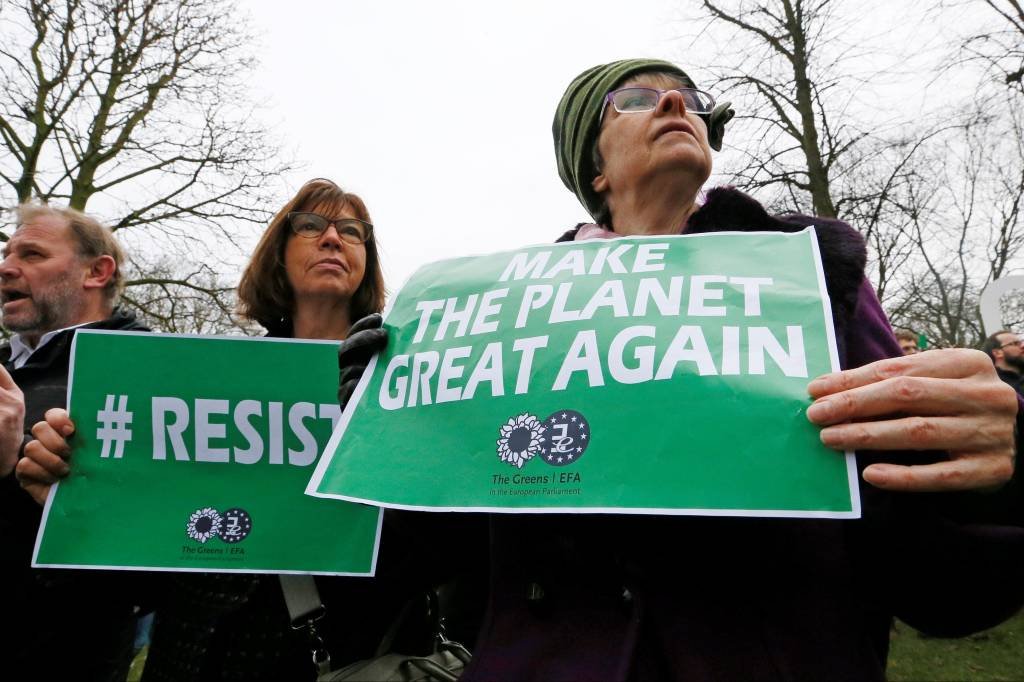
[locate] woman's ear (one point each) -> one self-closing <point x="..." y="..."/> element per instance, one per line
<point x="600" y="183"/>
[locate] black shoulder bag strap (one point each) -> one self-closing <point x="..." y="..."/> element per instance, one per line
<point x="305" y="610"/>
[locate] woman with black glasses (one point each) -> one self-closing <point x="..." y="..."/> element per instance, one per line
<point x="315" y="271"/>
<point x="632" y="597"/>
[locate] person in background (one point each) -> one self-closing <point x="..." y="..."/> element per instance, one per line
<point x="61" y="271"/>
<point x="635" y="597"/>
<point x="1005" y="351"/>
<point x="908" y="341"/>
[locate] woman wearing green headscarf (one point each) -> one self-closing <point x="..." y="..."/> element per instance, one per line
<point x="627" y="597"/>
<point x="633" y="141"/>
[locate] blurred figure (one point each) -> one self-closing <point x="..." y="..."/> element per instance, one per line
<point x="1004" y="347"/>
<point x="908" y="341"/>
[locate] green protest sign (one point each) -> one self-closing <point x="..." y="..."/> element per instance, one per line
<point x="635" y="375"/>
<point x="192" y="453"/>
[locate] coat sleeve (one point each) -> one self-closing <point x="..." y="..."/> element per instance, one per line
<point x="947" y="564"/>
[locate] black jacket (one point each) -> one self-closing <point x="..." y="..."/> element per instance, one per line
<point x="57" y="624"/>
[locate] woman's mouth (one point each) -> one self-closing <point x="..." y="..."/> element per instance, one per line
<point x="331" y="264"/>
<point x="680" y="127"/>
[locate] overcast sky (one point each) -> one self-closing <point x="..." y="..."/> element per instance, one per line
<point x="439" y="113"/>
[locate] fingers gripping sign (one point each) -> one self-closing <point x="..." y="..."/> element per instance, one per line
<point x="12" y="422"/>
<point x="45" y="460"/>
<point x="940" y="400"/>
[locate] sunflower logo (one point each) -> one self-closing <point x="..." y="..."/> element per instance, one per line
<point x="521" y="439"/>
<point x="203" y="524"/>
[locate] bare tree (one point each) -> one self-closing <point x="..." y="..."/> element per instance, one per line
<point x="785" y="66"/>
<point x="973" y="234"/>
<point x="937" y="195"/>
<point x="961" y="207"/>
<point x="998" y="46"/>
<point x="135" y="110"/>
<point x="196" y="301"/>
<point x="793" y="66"/>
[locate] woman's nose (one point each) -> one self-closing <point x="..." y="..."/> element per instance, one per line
<point x="330" y="237"/>
<point x="672" y="101"/>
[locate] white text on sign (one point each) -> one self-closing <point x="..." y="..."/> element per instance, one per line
<point x="212" y="419"/>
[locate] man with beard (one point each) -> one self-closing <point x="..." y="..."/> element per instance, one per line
<point x="61" y="271"/>
<point x="1004" y="347"/>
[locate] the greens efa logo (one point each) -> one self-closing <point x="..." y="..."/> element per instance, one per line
<point x="231" y="526"/>
<point x="560" y="439"/>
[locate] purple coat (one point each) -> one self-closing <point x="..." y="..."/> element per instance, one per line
<point x="606" y="597"/>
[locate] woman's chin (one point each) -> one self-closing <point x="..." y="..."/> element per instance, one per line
<point x="325" y="294"/>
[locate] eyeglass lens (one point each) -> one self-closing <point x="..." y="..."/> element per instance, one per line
<point x="631" y="100"/>
<point x="313" y="225"/>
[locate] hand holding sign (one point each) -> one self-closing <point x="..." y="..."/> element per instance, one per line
<point x="365" y="338"/>
<point x="502" y="371"/>
<point x="201" y="457"/>
<point x="947" y="400"/>
<point x="45" y="460"/>
<point x="12" y="421"/>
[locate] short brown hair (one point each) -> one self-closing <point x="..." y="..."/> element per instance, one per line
<point x="906" y="335"/>
<point x="992" y="343"/>
<point x="264" y="293"/>
<point x="92" y="239"/>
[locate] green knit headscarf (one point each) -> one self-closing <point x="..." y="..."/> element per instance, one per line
<point x="577" y="123"/>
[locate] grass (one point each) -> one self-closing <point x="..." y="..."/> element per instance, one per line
<point x="996" y="654"/>
<point x="135" y="672"/>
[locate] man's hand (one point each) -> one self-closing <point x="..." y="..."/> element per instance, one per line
<point x="939" y="400"/>
<point x="12" y="422"/>
<point x="45" y="460"/>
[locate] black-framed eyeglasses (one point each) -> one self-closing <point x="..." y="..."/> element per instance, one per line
<point x="312" y="225"/>
<point x="1018" y="343"/>
<point x="635" y="100"/>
